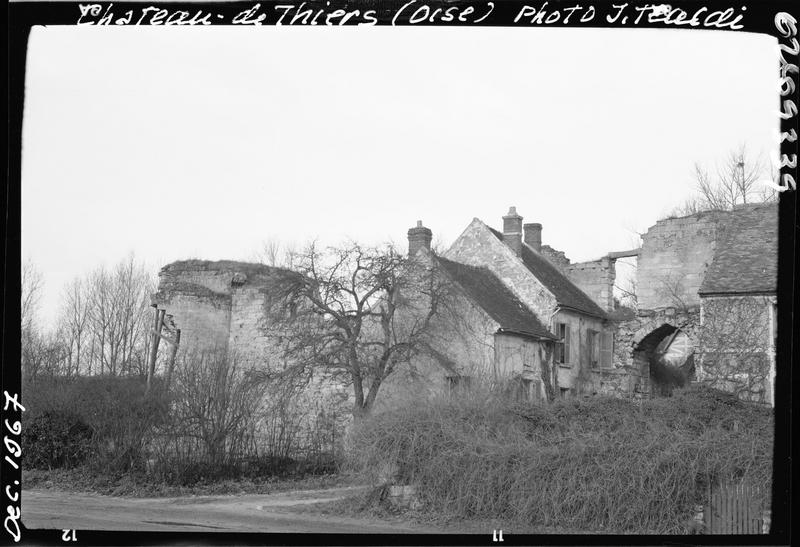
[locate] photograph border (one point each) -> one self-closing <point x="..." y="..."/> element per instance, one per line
<point x="774" y="18"/>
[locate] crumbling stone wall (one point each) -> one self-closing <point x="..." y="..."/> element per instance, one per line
<point x="556" y="257"/>
<point x="634" y="338"/>
<point x="675" y="255"/>
<point x="246" y="336"/>
<point x="596" y="279"/>
<point x="220" y="306"/>
<point x="200" y="302"/>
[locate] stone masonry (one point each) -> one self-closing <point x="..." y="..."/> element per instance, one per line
<point x="220" y="307"/>
<point x="675" y="255"/>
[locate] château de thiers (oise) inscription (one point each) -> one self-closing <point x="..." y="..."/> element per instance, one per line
<point x="415" y="12"/>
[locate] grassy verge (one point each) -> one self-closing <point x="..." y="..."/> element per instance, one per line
<point x="363" y="505"/>
<point x="139" y="485"/>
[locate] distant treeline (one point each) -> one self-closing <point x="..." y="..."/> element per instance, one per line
<point x="101" y="327"/>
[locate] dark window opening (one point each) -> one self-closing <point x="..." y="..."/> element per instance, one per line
<point x="562" y="345"/>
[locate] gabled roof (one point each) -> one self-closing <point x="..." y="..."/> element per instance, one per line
<point x="746" y="256"/>
<point x="567" y="293"/>
<point x="492" y="296"/>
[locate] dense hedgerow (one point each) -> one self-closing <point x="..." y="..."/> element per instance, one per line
<point x="112" y="427"/>
<point x="110" y="418"/>
<point x="597" y="464"/>
<point x="54" y="440"/>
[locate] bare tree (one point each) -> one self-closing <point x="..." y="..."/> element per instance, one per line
<point x="32" y="284"/>
<point x="275" y="253"/>
<point x="44" y="353"/>
<point x="104" y="319"/>
<point x="74" y="322"/>
<point x="215" y="401"/>
<point x="671" y="289"/>
<point x="34" y="348"/>
<point x="734" y="182"/>
<point x="356" y="313"/>
<point x="132" y="289"/>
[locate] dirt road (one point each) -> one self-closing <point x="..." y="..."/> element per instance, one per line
<point x="46" y="509"/>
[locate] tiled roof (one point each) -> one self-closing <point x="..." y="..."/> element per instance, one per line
<point x="491" y="295"/>
<point x="746" y="256"/>
<point x="566" y="292"/>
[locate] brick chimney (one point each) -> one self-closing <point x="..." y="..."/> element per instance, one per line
<point x="512" y="230"/>
<point x="419" y="237"/>
<point x="533" y="235"/>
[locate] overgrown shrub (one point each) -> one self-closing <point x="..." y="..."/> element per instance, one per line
<point x="600" y="464"/>
<point x="116" y="410"/>
<point x="53" y="440"/>
<point x="216" y="422"/>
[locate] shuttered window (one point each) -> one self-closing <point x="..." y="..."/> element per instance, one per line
<point x="607" y="350"/>
<point x="593" y="347"/>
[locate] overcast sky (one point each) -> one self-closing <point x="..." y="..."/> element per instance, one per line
<point x="204" y="142"/>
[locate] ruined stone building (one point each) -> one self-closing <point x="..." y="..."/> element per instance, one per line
<point x="706" y="305"/>
<point x="526" y="312"/>
<point x="706" y="300"/>
<point x="219" y="306"/>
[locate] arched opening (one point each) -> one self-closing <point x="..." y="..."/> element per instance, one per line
<point x="668" y="354"/>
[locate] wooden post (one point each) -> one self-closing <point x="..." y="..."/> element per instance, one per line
<point x="151" y="365"/>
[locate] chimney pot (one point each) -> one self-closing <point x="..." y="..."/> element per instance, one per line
<point x="533" y="235"/>
<point x="512" y="230"/>
<point x="419" y="237"/>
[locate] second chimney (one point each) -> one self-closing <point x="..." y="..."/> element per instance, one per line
<point x="419" y="237"/>
<point x="512" y="230"/>
<point x="533" y="235"/>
